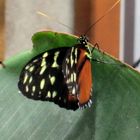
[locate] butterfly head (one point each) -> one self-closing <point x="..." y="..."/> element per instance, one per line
<point x="83" y="40"/>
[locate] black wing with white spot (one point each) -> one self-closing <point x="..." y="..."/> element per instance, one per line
<point x="44" y="78"/>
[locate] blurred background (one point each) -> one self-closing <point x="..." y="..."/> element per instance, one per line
<point x="118" y="33"/>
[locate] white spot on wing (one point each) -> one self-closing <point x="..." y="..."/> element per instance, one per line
<point x="19" y="91"/>
<point x="26" y="88"/>
<point x="73" y="90"/>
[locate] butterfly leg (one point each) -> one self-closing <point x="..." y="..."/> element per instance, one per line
<point x="2" y="64"/>
<point x="136" y="63"/>
<point x="98" y="61"/>
<point x="101" y="59"/>
<point x="96" y="46"/>
<point x="110" y="63"/>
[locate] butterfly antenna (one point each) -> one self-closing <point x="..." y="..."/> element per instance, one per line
<point x="54" y="19"/>
<point x="108" y="11"/>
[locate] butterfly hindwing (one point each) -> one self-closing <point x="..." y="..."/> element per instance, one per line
<point x="77" y="74"/>
<point x="70" y="71"/>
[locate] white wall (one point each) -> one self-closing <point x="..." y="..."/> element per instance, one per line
<point x="130" y="31"/>
<point x="22" y="21"/>
<point x="137" y="31"/>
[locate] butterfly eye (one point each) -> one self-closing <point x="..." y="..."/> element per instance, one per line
<point x="83" y="40"/>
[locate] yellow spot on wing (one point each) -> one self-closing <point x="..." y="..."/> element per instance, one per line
<point x="49" y="94"/>
<point x="42" y="83"/>
<point x="43" y="69"/>
<point x="74" y="76"/>
<point x="76" y="55"/>
<point x="68" y="81"/>
<point x="71" y="77"/>
<point x="33" y="88"/>
<point x="45" y="54"/>
<point x="35" y="60"/>
<point x="27" y="67"/>
<point x="31" y="68"/>
<point x="26" y="88"/>
<point x="71" y="58"/>
<point x="67" y="60"/>
<point x="25" y="78"/>
<point x="43" y="62"/>
<point x="55" y="60"/>
<point x="54" y="65"/>
<point x="54" y="94"/>
<point x="30" y="80"/>
<point x="52" y="79"/>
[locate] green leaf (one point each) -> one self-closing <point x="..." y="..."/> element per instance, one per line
<point x="114" y="115"/>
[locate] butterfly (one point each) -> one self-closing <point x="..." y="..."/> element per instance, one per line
<point x="61" y="75"/>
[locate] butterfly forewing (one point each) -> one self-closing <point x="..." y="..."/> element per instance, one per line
<point x="84" y="80"/>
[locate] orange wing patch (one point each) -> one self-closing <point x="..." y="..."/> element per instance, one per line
<point x="85" y="80"/>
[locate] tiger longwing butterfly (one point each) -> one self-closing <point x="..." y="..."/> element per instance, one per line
<point x="61" y="75"/>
